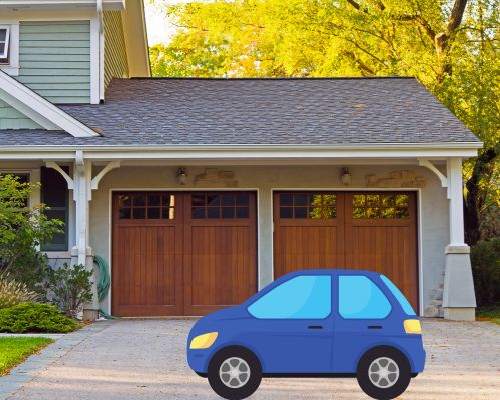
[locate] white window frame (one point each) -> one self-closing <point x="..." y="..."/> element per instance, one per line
<point x="6" y="42"/>
<point x="12" y="66"/>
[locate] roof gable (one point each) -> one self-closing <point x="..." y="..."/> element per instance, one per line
<point x="39" y="110"/>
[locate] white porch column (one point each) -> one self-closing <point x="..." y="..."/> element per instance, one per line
<point x="82" y="253"/>
<point x="459" y="300"/>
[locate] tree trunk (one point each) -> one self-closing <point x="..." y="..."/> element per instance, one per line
<point x="475" y="196"/>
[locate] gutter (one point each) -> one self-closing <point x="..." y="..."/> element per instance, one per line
<point x="249" y="147"/>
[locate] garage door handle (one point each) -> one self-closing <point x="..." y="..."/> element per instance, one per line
<point x="314" y="327"/>
<point x="374" y="326"/>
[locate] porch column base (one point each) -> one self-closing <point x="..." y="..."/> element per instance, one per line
<point x="459" y="299"/>
<point x="90" y="309"/>
<point x="460" y="314"/>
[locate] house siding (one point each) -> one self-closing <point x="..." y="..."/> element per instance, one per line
<point x="115" y="56"/>
<point x="54" y="59"/>
<point x="10" y="118"/>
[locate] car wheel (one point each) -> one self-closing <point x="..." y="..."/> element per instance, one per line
<point x="234" y="373"/>
<point x="384" y="373"/>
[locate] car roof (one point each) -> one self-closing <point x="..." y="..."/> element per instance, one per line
<point x="333" y="271"/>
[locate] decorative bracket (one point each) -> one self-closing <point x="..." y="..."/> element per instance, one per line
<point x="427" y="164"/>
<point x="94" y="183"/>
<point x="67" y="178"/>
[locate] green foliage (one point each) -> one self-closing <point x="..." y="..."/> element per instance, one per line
<point x="14" y="350"/>
<point x="453" y="53"/>
<point x="489" y="313"/>
<point x="22" y="229"/>
<point x="485" y="258"/>
<point x="12" y="292"/>
<point x="69" y="288"/>
<point x="35" y="317"/>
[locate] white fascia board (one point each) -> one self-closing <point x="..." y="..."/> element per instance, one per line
<point x="249" y="152"/>
<point x="54" y="117"/>
<point x="37" y="4"/>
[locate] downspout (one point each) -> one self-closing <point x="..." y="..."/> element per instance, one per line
<point x="100" y="17"/>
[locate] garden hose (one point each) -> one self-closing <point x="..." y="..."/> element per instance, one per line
<point x="103" y="283"/>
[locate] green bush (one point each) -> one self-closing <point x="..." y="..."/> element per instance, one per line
<point x="69" y="288"/>
<point x="485" y="258"/>
<point x="35" y="317"/>
<point x="12" y="292"/>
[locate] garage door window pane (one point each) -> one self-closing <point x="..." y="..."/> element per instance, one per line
<point x="380" y="206"/>
<point x="303" y="297"/>
<point x="146" y="206"/>
<point x="310" y="205"/>
<point x="227" y="205"/>
<point x="360" y="298"/>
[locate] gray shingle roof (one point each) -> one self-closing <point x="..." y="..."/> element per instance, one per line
<point x="345" y="111"/>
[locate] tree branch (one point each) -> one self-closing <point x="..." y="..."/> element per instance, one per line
<point x="456" y="16"/>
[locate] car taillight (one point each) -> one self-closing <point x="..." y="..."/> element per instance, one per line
<point x="412" y="326"/>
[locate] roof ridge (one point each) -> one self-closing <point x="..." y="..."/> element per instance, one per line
<point x="307" y="78"/>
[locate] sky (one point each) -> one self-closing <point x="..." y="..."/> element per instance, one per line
<point x="159" y="25"/>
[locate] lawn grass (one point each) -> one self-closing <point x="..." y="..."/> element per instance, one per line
<point x="490" y="313"/>
<point x="14" y="350"/>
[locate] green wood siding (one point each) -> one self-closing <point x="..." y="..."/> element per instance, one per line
<point x="115" y="55"/>
<point x="54" y="59"/>
<point x="10" y="118"/>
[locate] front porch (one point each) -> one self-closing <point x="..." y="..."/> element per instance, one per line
<point x="422" y="249"/>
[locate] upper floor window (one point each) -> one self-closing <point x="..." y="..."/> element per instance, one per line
<point x="4" y="43"/>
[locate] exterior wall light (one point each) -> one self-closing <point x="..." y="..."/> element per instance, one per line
<point x="345" y="177"/>
<point x="181" y="176"/>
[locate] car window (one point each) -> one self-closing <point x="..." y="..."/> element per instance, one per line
<point x="302" y="297"/>
<point x="400" y="297"/>
<point x="360" y="298"/>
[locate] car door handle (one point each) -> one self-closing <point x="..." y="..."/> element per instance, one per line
<point x="374" y="326"/>
<point x="314" y="327"/>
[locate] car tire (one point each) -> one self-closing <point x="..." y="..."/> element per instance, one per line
<point x="234" y="373"/>
<point x="384" y="373"/>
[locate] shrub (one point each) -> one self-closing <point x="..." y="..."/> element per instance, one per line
<point x="485" y="258"/>
<point x="35" y="317"/>
<point x="22" y="230"/>
<point x="69" y="288"/>
<point x="12" y="292"/>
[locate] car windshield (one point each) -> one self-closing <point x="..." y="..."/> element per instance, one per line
<point x="400" y="297"/>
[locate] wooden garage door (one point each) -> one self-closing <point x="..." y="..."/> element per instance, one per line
<point x="357" y="230"/>
<point x="182" y="253"/>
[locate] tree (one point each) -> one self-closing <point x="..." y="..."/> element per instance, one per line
<point x="449" y="45"/>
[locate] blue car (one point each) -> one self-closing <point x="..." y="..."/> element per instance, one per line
<point x="338" y="323"/>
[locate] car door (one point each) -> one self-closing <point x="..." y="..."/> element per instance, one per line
<point x="293" y="326"/>
<point x="362" y="319"/>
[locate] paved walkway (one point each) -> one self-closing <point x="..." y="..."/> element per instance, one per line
<point x="144" y="359"/>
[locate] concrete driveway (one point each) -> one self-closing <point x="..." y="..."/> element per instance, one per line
<point x="144" y="359"/>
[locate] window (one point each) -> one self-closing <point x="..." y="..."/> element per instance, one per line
<point x="303" y="297"/>
<point x="4" y="44"/>
<point x="377" y="206"/>
<point x="220" y="205"/>
<point x="400" y="297"/>
<point x="360" y="298"/>
<point x="152" y="205"/>
<point x="308" y="205"/>
<point x="54" y="194"/>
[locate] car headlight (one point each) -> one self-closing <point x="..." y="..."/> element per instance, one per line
<point x="203" y="341"/>
<point x="412" y="326"/>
